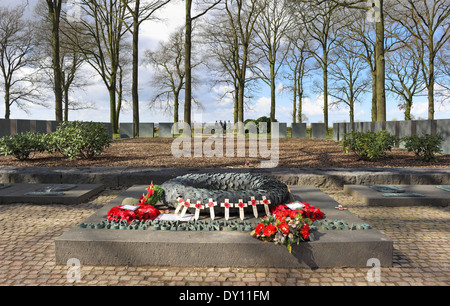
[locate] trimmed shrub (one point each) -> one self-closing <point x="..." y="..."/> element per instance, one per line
<point x="425" y="147"/>
<point x="22" y="145"/>
<point x="82" y="140"/>
<point x="369" y="145"/>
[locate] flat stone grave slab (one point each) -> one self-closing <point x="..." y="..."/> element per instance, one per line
<point x="48" y="193"/>
<point x="327" y="248"/>
<point x="400" y="195"/>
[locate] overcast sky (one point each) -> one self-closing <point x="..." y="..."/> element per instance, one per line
<point x="214" y="109"/>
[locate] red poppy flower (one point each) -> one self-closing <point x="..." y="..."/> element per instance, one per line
<point x="284" y="227"/>
<point x="227" y="205"/>
<point x="198" y="205"/>
<point x="241" y="205"/>
<point x="305" y="231"/>
<point x="259" y="228"/>
<point x="210" y="204"/>
<point x="269" y="230"/>
<point x="265" y="201"/>
<point x="254" y="202"/>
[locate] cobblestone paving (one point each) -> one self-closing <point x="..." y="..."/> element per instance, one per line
<point x="27" y="232"/>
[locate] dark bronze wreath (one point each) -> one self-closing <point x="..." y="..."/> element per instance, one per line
<point x="221" y="186"/>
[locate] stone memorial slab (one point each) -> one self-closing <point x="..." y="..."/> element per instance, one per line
<point x="146" y="130"/>
<point x="5" y="127"/>
<point x="367" y="127"/>
<point x="318" y="130"/>
<point x="412" y="195"/>
<point x="165" y="130"/>
<point x="3" y="186"/>
<point x="424" y="127"/>
<point x="444" y="187"/>
<point x="23" y="126"/>
<point x="282" y="130"/>
<point x="48" y="193"/>
<point x="298" y="130"/>
<point x="126" y="130"/>
<point x="40" y="126"/>
<point x="443" y="129"/>
<point x="405" y="129"/>
<point x="191" y="245"/>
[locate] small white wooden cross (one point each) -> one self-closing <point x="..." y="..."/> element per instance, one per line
<point x="211" y="205"/>
<point x="266" y="203"/>
<point x="254" y="204"/>
<point x="227" y="206"/>
<point x="197" y="206"/>
<point x="186" y="205"/>
<point x="241" y="206"/>
<point x="180" y="204"/>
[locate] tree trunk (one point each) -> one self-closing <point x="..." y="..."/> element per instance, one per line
<point x="380" y="64"/>
<point x="430" y="88"/>
<point x="408" y="108"/>
<point x="175" y="108"/>
<point x="272" y="92"/>
<point x="187" y="64"/>
<point x="374" y="96"/>
<point x="54" y="11"/>
<point x="325" y="89"/>
<point x="7" y="102"/>
<point x="112" y="107"/>
<point x="134" y="87"/>
<point x="66" y="103"/>
<point x="294" y="102"/>
<point x="300" y="96"/>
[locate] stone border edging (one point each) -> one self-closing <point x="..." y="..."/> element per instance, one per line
<point x="128" y="176"/>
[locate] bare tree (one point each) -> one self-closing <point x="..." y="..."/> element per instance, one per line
<point x="242" y="16"/>
<point x="429" y="23"/>
<point x="203" y="7"/>
<point x="404" y="77"/>
<point x="103" y="33"/>
<point x="348" y="76"/>
<point x="71" y="59"/>
<point x="169" y="74"/>
<point x="443" y="68"/>
<point x="298" y="63"/>
<point x="140" y="12"/>
<point x="17" y="43"/>
<point x="323" y="22"/>
<point x="375" y="10"/>
<point x="272" y="28"/>
<point x="54" y="11"/>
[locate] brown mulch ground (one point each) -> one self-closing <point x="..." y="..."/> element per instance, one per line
<point x="294" y="153"/>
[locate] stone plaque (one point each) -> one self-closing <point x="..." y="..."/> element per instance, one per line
<point x="387" y="189"/>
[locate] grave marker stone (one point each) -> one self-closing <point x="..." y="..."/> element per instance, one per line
<point x="443" y="129"/>
<point x="318" y="130"/>
<point x="165" y="130"/>
<point x="146" y="130"/>
<point x="298" y="130"/>
<point x="126" y="130"/>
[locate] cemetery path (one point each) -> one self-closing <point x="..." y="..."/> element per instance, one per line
<point x="293" y="153"/>
<point x="27" y="250"/>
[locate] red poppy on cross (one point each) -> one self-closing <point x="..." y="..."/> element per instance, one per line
<point x="227" y="206"/>
<point x="211" y="205"/>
